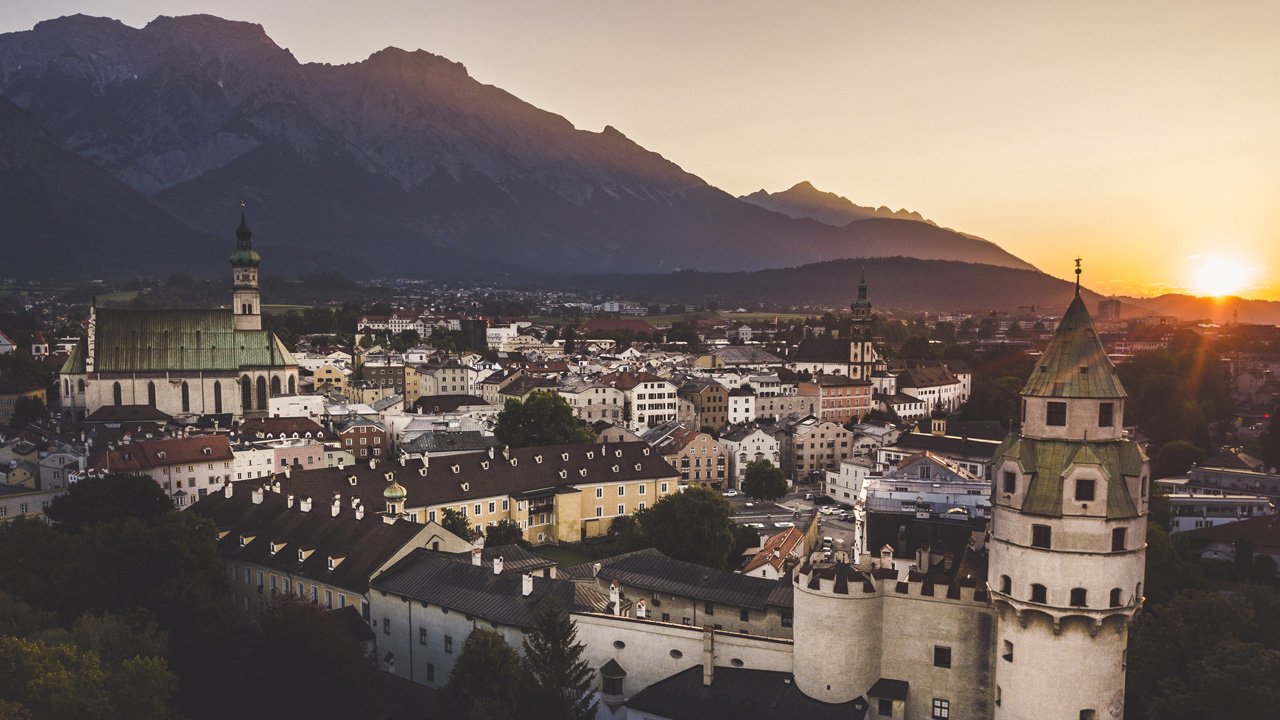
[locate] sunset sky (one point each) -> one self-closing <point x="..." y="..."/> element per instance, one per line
<point x="1142" y="136"/>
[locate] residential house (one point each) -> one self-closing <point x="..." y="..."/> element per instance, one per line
<point x="811" y="445"/>
<point x="746" y="445"/>
<point x="840" y="399"/>
<point x="362" y="437"/>
<point x="188" y="468"/>
<point x="699" y="457"/>
<point x="710" y="402"/>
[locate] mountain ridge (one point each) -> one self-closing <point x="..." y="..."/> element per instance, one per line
<point x="398" y="163"/>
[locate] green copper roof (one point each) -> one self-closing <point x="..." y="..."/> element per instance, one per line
<point x="1075" y="365"/>
<point x="242" y="258"/>
<point x="1047" y="462"/>
<point x="158" y="340"/>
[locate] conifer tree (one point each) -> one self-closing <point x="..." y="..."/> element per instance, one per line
<point x="565" y="683"/>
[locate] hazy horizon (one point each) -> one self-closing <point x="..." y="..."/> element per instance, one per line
<point x="1140" y="137"/>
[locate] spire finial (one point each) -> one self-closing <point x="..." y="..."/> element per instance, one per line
<point x="1078" y="271"/>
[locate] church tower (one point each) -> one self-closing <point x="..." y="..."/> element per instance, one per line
<point x="246" y="300"/>
<point x="861" y="351"/>
<point x="1068" y="536"/>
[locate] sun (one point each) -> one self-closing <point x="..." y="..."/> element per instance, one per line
<point x="1217" y="276"/>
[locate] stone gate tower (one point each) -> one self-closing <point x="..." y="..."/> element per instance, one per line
<point x="1068" y="536"/>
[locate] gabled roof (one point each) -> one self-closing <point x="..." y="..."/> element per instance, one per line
<point x="147" y="454"/>
<point x="650" y="570"/>
<point x="128" y="413"/>
<point x="364" y="545"/>
<point x="1074" y="365"/>
<point x="437" y="579"/>
<point x="447" y="403"/>
<point x="737" y="694"/>
<point x="128" y="340"/>
<point x="514" y="559"/>
<point x="775" y="551"/>
<point x="746" y="355"/>
<point x="822" y="350"/>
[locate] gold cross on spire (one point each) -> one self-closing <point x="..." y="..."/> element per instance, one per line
<point x="1078" y="271"/>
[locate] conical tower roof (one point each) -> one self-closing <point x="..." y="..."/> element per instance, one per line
<point x="1075" y="365"/>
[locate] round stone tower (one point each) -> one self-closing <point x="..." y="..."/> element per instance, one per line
<point x="1068" y="536"/>
<point x="836" y="632"/>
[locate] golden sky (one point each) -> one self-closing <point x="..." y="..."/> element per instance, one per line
<point x="1143" y="136"/>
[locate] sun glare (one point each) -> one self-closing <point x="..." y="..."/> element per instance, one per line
<point x="1216" y="276"/>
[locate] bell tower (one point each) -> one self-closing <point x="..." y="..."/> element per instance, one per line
<point x="861" y="350"/>
<point x="246" y="301"/>
<point x="1068" y="536"/>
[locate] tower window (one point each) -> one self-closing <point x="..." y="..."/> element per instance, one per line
<point x="1008" y="651"/>
<point x="1115" y="597"/>
<point x="1079" y="597"/>
<point x="941" y="656"/>
<point x="1056" y="414"/>
<point x="1117" y="539"/>
<point x="1085" y="490"/>
<point x="1038" y="593"/>
<point x="1106" y="414"/>
<point x="1010" y="482"/>
<point x="941" y="709"/>
<point x="1041" y="536"/>
<point x="1006" y="585"/>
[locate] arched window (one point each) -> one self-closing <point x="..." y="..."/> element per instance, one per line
<point x="66" y="384"/>
<point x="1115" y="597"/>
<point x="217" y="396"/>
<point x="262" y="393"/>
<point x="275" y="385"/>
<point x="246" y="394"/>
<point x="151" y="393"/>
<point x="293" y="385"/>
<point x="117" y="396"/>
<point x="1006" y="584"/>
<point x="1038" y="593"/>
<point x="186" y="397"/>
<point x="1079" y="597"/>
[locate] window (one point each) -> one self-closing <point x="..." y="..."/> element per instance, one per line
<point x="1056" y="413"/>
<point x="1079" y="597"/>
<point x="709" y="609"/>
<point x="448" y="644"/>
<point x="1117" y="539"/>
<point x="1088" y="715"/>
<point x="786" y="618"/>
<point x="1106" y="414"/>
<point x="422" y="636"/>
<point x="1041" y="536"/>
<point x="1008" y="651"/>
<point x="885" y="708"/>
<point x="386" y="626"/>
<point x="1038" y="593"/>
<point x="1006" y="585"/>
<point x="599" y="511"/>
<point x="1010" y="481"/>
<point x="1085" y="490"/>
<point x="941" y="656"/>
<point x="641" y="489"/>
<point x="613" y="686"/>
<point x="599" y="492"/>
<point x="622" y="490"/>
<point x="744" y="615"/>
<point x="431" y="672"/>
<point x="622" y="509"/>
<point x="941" y="709"/>
<point x="1115" y="597"/>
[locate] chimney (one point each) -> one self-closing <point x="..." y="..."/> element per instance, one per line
<point x="257" y="496"/>
<point x="476" y="552"/>
<point x="615" y="598"/>
<point x="305" y="504"/>
<point x="373" y="463"/>
<point x="497" y="565"/>
<point x="289" y="501"/>
<point x="401" y="461"/>
<point x="526" y="584"/>
<point x="642" y="609"/>
<point x="226" y="490"/>
<point x="708" y="654"/>
<point x="359" y="512"/>
<point x="275" y="487"/>
<point x="886" y="556"/>
<point x="595" y="569"/>
<point x="288" y="471"/>
<point x="336" y="506"/>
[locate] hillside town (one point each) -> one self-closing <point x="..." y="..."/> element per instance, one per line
<point x="846" y="514"/>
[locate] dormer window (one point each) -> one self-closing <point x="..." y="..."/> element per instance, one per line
<point x="564" y="457"/>
<point x="301" y="555"/>
<point x="207" y="451"/>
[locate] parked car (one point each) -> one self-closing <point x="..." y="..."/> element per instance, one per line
<point x="730" y="493"/>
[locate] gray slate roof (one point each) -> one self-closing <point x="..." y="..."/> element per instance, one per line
<point x="738" y="694"/>
<point x="651" y="570"/>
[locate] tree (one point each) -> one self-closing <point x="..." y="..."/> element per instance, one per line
<point x="570" y="340"/>
<point x="109" y="498"/>
<point x="63" y="681"/>
<point x="298" y="661"/>
<point x="505" y="532"/>
<point x="764" y="481"/>
<point x="693" y="525"/>
<point x="1175" y="458"/>
<point x="564" y="683"/>
<point x="26" y="410"/>
<point x="544" y="418"/>
<point x="1271" y="440"/>
<point x="456" y="523"/>
<point x="489" y="681"/>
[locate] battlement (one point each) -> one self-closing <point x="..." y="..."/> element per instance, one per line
<point x="843" y="579"/>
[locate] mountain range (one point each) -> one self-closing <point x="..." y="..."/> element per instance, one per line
<point x="803" y="200"/>
<point x="399" y="164"/>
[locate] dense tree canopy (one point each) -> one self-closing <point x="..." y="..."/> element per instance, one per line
<point x="693" y="525"/>
<point x="764" y="481"/>
<point x="456" y="523"/>
<point x="564" y="684"/>
<point x="505" y="532"/>
<point x="544" y="418"/>
<point x="108" y="498"/>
